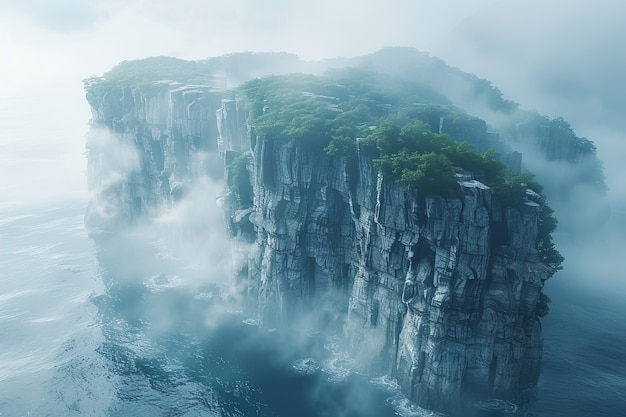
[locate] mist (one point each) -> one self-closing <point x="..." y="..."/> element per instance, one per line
<point x="563" y="59"/>
<point x="172" y="278"/>
<point x="568" y="65"/>
<point x="175" y="308"/>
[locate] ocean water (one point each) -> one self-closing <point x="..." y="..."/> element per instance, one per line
<point x="124" y="326"/>
<point x="111" y="328"/>
<point x="87" y="331"/>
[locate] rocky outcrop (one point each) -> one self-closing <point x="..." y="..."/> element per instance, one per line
<point x="166" y="133"/>
<point x="439" y="292"/>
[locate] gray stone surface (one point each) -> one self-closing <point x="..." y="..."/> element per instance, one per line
<point x="170" y="133"/>
<point x="438" y="292"/>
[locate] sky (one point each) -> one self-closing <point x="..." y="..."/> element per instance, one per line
<point x="87" y="37"/>
<point x="562" y="58"/>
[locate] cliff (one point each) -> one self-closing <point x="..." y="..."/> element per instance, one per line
<point x="162" y="112"/>
<point x="443" y="291"/>
<point x="439" y="292"/>
<point x="146" y="145"/>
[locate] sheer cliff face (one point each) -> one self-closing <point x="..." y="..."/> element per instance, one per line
<point x="438" y="292"/>
<point x="167" y="134"/>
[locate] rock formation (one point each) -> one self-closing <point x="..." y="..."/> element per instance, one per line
<point x="439" y="292"/>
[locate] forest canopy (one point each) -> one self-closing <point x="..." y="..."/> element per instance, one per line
<point x="393" y="123"/>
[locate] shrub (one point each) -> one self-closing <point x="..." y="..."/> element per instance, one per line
<point x="542" y="307"/>
<point x="238" y="178"/>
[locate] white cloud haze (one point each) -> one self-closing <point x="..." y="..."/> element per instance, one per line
<point x="560" y="58"/>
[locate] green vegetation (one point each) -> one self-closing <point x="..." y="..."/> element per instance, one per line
<point x="146" y="74"/>
<point x="542" y="308"/>
<point x="395" y="128"/>
<point x="485" y="90"/>
<point x="143" y="71"/>
<point x="554" y="130"/>
<point x="419" y="68"/>
<point x="388" y="103"/>
<point x="283" y="111"/>
<point x="559" y="127"/>
<point x="546" y="225"/>
<point x="337" y="108"/>
<point x="424" y="161"/>
<point x="238" y="178"/>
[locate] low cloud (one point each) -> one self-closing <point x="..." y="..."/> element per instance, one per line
<point x="114" y="159"/>
<point x="64" y="16"/>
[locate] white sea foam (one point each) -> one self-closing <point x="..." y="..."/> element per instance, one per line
<point x="505" y="408"/>
<point x="252" y="321"/>
<point x="402" y="406"/>
<point x="306" y="366"/>
<point x="339" y="365"/>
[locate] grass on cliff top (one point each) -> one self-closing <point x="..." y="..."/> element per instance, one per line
<point x="396" y="129"/>
<point x="390" y="115"/>
<point x="144" y="71"/>
<point x="145" y="74"/>
<point x="141" y="73"/>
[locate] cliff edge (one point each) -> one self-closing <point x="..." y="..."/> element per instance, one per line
<point x="337" y="218"/>
<point x="440" y="292"/>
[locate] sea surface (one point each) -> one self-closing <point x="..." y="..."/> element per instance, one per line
<point x="86" y="331"/>
<point x="98" y="325"/>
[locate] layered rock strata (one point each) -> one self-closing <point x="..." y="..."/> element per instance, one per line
<point x="146" y="144"/>
<point x="438" y="292"/>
